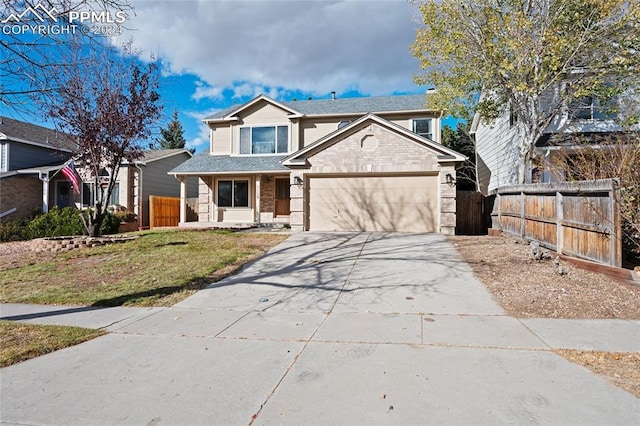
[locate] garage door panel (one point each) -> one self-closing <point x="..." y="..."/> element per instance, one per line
<point x="383" y="203"/>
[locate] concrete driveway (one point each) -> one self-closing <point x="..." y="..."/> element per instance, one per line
<point x="365" y="328"/>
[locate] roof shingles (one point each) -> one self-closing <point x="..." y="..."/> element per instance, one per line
<point x="21" y="130"/>
<point x="374" y="104"/>
<point x="207" y="163"/>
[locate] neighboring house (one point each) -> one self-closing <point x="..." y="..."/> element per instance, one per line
<point x="352" y="164"/>
<point x="498" y="143"/>
<point x="144" y="177"/>
<point x="30" y="157"/>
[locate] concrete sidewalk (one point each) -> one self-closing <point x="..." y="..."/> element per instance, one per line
<point x="326" y="329"/>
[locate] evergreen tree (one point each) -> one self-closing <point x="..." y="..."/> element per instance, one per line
<point x="173" y="135"/>
<point x="459" y="140"/>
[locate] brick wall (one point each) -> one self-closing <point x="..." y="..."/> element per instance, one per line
<point x="22" y="192"/>
<point x="373" y="149"/>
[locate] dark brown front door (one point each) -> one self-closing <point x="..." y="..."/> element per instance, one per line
<point x="283" y="199"/>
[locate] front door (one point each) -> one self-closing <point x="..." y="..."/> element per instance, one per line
<point x="283" y="199"/>
<point x="63" y="192"/>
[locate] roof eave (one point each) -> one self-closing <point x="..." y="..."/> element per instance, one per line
<point x="239" y="172"/>
<point x="39" y="144"/>
<point x="379" y="113"/>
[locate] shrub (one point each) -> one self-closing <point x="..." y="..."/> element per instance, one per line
<point x="55" y="223"/>
<point x="11" y="230"/>
<point x="110" y="224"/>
<point x="125" y="216"/>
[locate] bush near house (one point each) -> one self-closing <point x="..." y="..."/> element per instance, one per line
<point x="57" y="222"/>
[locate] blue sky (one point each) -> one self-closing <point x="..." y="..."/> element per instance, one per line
<point x="217" y="53"/>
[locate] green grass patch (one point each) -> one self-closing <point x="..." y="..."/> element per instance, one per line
<point x="159" y="268"/>
<point x="19" y="342"/>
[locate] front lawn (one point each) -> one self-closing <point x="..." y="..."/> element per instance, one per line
<point x="19" y="342"/>
<point x="160" y="268"/>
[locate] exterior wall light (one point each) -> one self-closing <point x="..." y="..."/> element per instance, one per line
<point x="450" y="180"/>
<point x="297" y="180"/>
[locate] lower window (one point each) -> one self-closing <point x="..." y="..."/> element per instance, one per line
<point x="233" y="193"/>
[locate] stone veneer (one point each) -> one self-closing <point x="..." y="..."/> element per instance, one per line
<point x="57" y="244"/>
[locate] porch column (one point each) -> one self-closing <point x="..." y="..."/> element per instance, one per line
<point x="183" y="198"/>
<point x="44" y="177"/>
<point x="257" y="197"/>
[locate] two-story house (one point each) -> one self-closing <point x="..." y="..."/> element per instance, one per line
<point x="30" y="157"/>
<point x="352" y="164"/>
<point x="498" y="142"/>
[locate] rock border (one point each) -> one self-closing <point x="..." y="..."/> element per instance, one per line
<point x="58" y="244"/>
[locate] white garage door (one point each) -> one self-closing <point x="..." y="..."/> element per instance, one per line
<point x="373" y="203"/>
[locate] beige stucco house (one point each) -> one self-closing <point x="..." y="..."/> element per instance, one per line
<point x="352" y="164"/>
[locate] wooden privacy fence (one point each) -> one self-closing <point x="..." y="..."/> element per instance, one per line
<point x="165" y="211"/>
<point x="579" y="219"/>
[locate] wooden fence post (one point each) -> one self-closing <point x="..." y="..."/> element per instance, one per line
<point x="523" y="219"/>
<point x="559" y="222"/>
<point x="151" y="210"/>
<point x="615" y="223"/>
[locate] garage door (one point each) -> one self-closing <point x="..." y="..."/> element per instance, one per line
<point x="373" y="203"/>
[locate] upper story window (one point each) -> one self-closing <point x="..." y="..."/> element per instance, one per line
<point x="423" y="127"/>
<point x="4" y="157"/>
<point x="264" y="140"/>
<point x="591" y="108"/>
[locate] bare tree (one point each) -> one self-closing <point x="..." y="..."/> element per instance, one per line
<point x="611" y="156"/>
<point x="39" y="38"/>
<point x="109" y="105"/>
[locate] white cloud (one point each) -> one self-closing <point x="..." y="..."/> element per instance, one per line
<point x="204" y="91"/>
<point x="202" y="138"/>
<point x="313" y="46"/>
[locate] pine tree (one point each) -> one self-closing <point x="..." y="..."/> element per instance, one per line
<point x="173" y="135"/>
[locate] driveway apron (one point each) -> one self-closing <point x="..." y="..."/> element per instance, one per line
<point x="327" y="328"/>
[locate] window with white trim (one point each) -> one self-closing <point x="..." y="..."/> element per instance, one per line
<point x="233" y="193"/>
<point x="4" y="157"/>
<point x="592" y="108"/>
<point x="264" y="140"/>
<point x="89" y="194"/>
<point x="423" y="127"/>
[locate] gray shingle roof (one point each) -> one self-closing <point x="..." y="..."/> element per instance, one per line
<point x="374" y="104"/>
<point x="15" y="129"/>
<point x="154" y="154"/>
<point x="207" y="163"/>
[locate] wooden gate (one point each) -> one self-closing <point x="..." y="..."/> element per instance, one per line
<point x="163" y="211"/>
<point x="470" y="214"/>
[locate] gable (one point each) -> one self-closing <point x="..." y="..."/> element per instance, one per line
<point x="263" y="112"/>
<point x="377" y="137"/>
<point x="373" y="148"/>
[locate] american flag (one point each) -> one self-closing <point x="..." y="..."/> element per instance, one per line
<point x="69" y="171"/>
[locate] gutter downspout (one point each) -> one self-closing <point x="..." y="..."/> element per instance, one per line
<point x="138" y="197"/>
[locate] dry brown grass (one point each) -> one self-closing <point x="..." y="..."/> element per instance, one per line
<point x="19" y="342"/>
<point x="528" y="288"/>
<point x="157" y="269"/>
